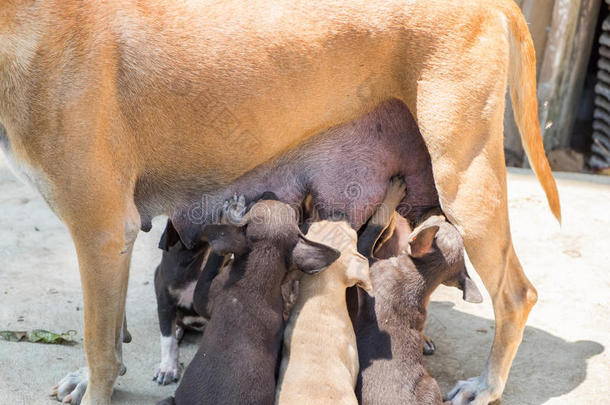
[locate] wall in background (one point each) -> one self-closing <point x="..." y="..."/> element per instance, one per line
<point x="563" y="33"/>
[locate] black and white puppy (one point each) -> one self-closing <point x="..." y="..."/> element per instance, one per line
<point x="175" y="281"/>
<point x="182" y="275"/>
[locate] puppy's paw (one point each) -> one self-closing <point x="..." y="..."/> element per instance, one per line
<point x="233" y="210"/>
<point x="167" y="373"/>
<point x="290" y="293"/>
<point x="429" y="346"/>
<point x="395" y="191"/>
<point x="179" y="333"/>
<point x="71" y="388"/>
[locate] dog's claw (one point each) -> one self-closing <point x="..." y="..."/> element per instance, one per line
<point x="234" y="209"/>
<point x="167" y="374"/>
<point x="473" y="391"/>
<point x="72" y="387"/>
<point x="126" y="336"/>
<point x="429" y="346"/>
<point x="179" y="333"/>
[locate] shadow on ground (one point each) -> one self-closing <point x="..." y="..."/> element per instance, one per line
<point x="546" y="366"/>
<point x="40" y="288"/>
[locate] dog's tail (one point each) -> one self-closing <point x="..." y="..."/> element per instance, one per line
<point x="522" y="83"/>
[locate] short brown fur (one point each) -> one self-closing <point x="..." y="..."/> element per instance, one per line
<point x="119" y="111"/>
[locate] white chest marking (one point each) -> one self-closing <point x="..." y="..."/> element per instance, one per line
<point x="185" y="296"/>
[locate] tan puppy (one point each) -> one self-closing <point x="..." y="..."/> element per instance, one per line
<point x="118" y="111"/>
<point x="320" y="358"/>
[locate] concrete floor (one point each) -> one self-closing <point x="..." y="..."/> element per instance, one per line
<point x="564" y="357"/>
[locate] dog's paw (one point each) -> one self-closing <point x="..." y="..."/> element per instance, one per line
<point x="167" y="373"/>
<point x="473" y="391"/>
<point x="71" y="388"/>
<point x="234" y="209"/>
<point x="429" y="346"/>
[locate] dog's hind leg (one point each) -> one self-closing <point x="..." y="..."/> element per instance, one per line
<point x="483" y="218"/>
<point x="474" y="198"/>
<point x="103" y="222"/>
<point x="470" y="175"/>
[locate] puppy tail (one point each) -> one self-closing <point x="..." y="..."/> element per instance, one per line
<point x="522" y="83"/>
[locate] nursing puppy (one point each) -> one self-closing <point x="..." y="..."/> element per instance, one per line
<point x="121" y="111"/>
<point x="320" y="360"/>
<point x="182" y="274"/>
<point x="238" y="357"/>
<point x="389" y="325"/>
<point x="175" y="281"/>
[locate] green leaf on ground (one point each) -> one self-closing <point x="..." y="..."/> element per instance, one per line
<point x="39" y="336"/>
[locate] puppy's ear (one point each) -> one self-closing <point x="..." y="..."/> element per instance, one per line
<point x="357" y="273"/>
<point x="169" y="237"/>
<point x="470" y="291"/>
<point x="189" y="232"/>
<point x="226" y="239"/>
<point x="421" y="240"/>
<point x="269" y="195"/>
<point x="312" y="257"/>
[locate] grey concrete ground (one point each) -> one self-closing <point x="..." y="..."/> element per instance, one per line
<point x="564" y="358"/>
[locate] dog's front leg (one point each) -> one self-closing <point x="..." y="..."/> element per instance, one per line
<point x="201" y="294"/>
<point x="169" y="367"/>
<point x="104" y="237"/>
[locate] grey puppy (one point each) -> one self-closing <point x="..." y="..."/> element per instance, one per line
<point x="389" y="325"/>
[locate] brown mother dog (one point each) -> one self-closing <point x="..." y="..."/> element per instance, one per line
<point x="118" y="111"/>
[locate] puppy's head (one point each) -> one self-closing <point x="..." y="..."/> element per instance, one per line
<point x="351" y="267"/>
<point x="273" y="223"/>
<point x="177" y="255"/>
<point x="437" y="250"/>
<point x="170" y="237"/>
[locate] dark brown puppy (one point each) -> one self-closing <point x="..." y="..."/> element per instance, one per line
<point x="389" y="325"/>
<point x="238" y="357"/>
